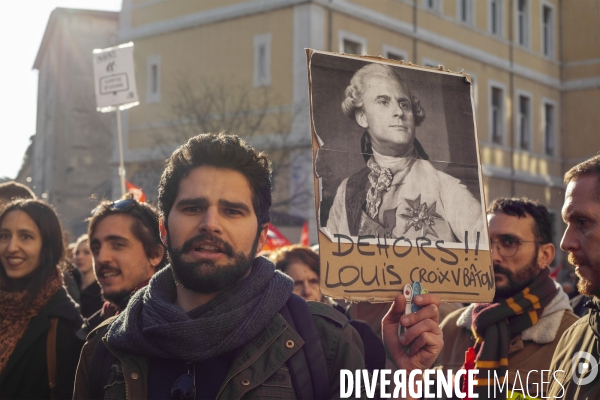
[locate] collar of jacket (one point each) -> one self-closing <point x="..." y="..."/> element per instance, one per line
<point x="546" y="328"/>
<point x="268" y="352"/>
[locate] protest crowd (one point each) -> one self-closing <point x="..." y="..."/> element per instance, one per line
<point x="177" y="301"/>
<point x="185" y="299"/>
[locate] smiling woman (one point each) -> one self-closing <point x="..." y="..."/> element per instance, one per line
<point x="38" y="320"/>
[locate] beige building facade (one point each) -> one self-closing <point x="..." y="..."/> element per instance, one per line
<point x="535" y="66"/>
<point x="68" y="159"/>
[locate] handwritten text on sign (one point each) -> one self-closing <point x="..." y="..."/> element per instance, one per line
<point x="405" y="261"/>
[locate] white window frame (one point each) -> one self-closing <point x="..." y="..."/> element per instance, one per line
<point x="554" y="133"/>
<point x="262" y="41"/>
<point x="527" y="21"/>
<point x="502" y="87"/>
<point x="552" y="28"/>
<point x="519" y="94"/>
<point x="437" y="5"/>
<point x="387" y="49"/>
<point x="500" y="17"/>
<point x="153" y="96"/>
<point x="470" y="12"/>
<point x="344" y="35"/>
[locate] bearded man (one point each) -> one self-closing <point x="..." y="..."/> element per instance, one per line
<point x="219" y="322"/>
<point x="518" y="332"/>
<point x="575" y="361"/>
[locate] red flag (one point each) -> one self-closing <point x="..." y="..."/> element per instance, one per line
<point x="137" y="191"/>
<point x="554" y="274"/>
<point x="275" y="239"/>
<point x="304" y="237"/>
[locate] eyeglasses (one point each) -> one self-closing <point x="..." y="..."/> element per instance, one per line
<point x="185" y="386"/>
<point x="119" y="205"/>
<point x="508" y="245"/>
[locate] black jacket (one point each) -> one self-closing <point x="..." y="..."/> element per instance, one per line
<point x="26" y="374"/>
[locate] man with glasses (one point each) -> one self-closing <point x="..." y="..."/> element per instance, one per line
<point x="219" y="322"/>
<point x="519" y="330"/>
<point x="125" y="241"/>
<point x="576" y="357"/>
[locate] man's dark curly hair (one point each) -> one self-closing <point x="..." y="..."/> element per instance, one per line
<point x="519" y="207"/>
<point x="221" y="151"/>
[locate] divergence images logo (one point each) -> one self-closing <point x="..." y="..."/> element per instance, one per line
<point x="584" y="363"/>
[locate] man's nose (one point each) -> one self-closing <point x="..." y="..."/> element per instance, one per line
<point x="569" y="240"/>
<point x="211" y="221"/>
<point x="102" y="256"/>
<point x="398" y="111"/>
<point x="496" y="256"/>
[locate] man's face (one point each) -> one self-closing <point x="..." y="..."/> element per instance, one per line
<point x="514" y="273"/>
<point x="387" y="115"/>
<point x="120" y="262"/>
<point x="581" y="213"/>
<point x="213" y="229"/>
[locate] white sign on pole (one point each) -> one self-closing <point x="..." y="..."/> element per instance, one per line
<point x="114" y="76"/>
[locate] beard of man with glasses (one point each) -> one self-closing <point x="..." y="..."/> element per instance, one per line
<point x="520" y="329"/>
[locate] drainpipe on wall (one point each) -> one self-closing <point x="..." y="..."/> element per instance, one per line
<point x="512" y="97"/>
<point x="415" y="60"/>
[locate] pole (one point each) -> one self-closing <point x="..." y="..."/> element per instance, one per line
<point x="121" y="162"/>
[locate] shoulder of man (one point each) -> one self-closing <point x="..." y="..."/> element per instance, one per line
<point x="579" y="337"/>
<point x="326" y="313"/>
<point x="341" y="343"/>
<point x="457" y="340"/>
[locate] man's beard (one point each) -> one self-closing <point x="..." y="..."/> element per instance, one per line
<point x="116" y="298"/>
<point x="205" y="276"/>
<point x="589" y="287"/>
<point x="517" y="281"/>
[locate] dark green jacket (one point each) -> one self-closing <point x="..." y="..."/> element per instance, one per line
<point x="259" y="371"/>
<point x="579" y="337"/>
<point x="26" y="374"/>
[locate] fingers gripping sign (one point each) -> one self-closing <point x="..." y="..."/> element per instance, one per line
<point x="421" y="340"/>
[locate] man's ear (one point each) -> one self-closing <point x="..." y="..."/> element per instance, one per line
<point x="163" y="231"/>
<point x="158" y="256"/>
<point x="262" y="239"/>
<point x="546" y="254"/>
<point x="361" y="118"/>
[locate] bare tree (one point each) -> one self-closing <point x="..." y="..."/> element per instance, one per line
<point x="255" y="114"/>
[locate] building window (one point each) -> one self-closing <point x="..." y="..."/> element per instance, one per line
<point x="523" y="22"/>
<point x="153" y="79"/>
<point x="524" y="122"/>
<point x="352" y="47"/>
<point x="547" y="31"/>
<point x="549" y="129"/>
<point x="465" y="11"/>
<point x="433" y="4"/>
<point x="428" y="62"/>
<point x="393" y="53"/>
<point x="497" y="115"/>
<point x="262" y="60"/>
<point x="495" y="17"/>
<point x="352" y="44"/>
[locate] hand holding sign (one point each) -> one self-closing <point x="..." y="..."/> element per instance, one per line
<point x="422" y="341"/>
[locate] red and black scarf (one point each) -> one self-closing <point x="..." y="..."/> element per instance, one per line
<point x="495" y="324"/>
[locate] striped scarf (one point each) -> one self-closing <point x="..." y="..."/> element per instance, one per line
<point x="495" y="324"/>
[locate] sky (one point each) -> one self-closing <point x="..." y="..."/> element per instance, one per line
<point x="21" y="33"/>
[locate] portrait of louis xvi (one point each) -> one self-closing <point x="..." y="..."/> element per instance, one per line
<point x="398" y="193"/>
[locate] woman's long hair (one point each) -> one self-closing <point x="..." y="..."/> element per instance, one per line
<point x="52" y="252"/>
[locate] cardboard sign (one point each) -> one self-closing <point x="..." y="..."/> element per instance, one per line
<point x="398" y="180"/>
<point x="114" y="77"/>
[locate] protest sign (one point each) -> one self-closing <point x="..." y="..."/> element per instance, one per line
<point x="398" y="181"/>
<point x="114" y="77"/>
